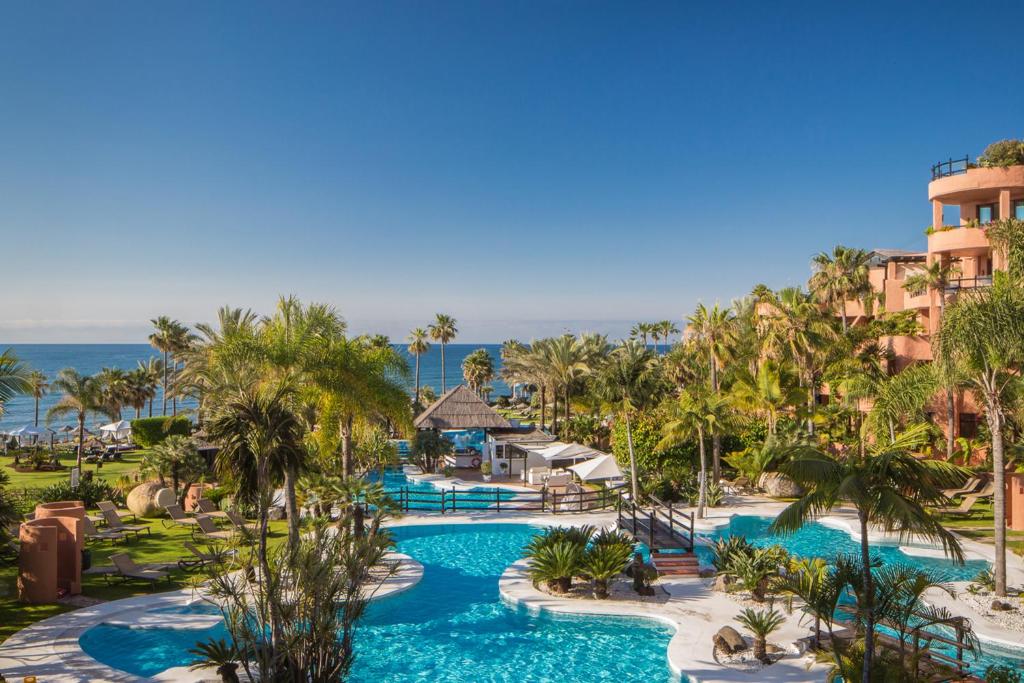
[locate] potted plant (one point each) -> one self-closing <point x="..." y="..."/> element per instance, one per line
<point x="485" y="470"/>
<point x="504" y="467"/>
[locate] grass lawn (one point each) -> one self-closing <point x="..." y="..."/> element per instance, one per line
<point x="980" y="527"/>
<point x="128" y="464"/>
<point x="162" y="545"/>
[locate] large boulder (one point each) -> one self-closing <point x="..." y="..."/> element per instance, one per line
<point x="149" y="499"/>
<point x="729" y="640"/>
<point x="778" y="485"/>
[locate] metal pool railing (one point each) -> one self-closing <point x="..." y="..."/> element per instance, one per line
<point x="444" y="501"/>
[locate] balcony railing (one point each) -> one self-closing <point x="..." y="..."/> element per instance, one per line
<point x="969" y="283"/>
<point x="944" y="169"/>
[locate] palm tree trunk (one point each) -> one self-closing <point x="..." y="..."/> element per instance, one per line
<point x="950" y="424"/>
<point x="81" y="441"/>
<point x="554" y="410"/>
<point x="164" y="412"/>
<point x="346" y="447"/>
<point x="567" y="406"/>
<point x="291" y="505"/>
<point x="716" y="439"/>
<point x="633" y="485"/>
<point x="842" y="314"/>
<point x="869" y="597"/>
<point x="999" y="497"/>
<point x="174" y="397"/>
<point x="703" y="483"/>
<point x="444" y="386"/>
<point x="543" y="407"/>
<point x="417" y="378"/>
<point x="151" y="406"/>
<point x="37" y="412"/>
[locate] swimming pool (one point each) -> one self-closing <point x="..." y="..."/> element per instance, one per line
<point x="452" y="627"/>
<point x="423" y="495"/>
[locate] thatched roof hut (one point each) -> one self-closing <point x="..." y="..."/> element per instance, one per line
<point x="460" y="408"/>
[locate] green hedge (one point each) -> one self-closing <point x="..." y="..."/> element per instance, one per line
<point x="149" y="431"/>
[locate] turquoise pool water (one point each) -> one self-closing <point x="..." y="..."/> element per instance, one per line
<point x="425" y="496"/>
<point x="452" y="627"/>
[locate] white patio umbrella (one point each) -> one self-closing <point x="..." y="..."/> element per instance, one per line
<point x="597" y="469"/>
<point x="29" y="431"/>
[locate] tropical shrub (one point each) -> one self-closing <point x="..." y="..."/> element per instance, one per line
<point x="761" y="623"/>
<point x="149" y="431"/>
<point x="714" y="495"/>
<point x="175" y="458"/>
<point x="1002" y="674"/>
<point x="555" y="564"/>
<point x="725" y="549"/>
<point x="427" y="448"/>
<point x="603" y="562"/>
<point x="753" y="568"/>
<point x="1003" y="153"/>
<point x="577" y="536"/>
<point x="8" y="511"/>
<point x="89" y="491"/>
<point x="646" y="436"/>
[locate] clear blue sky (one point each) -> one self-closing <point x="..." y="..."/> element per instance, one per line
<point x="526" y="167"/>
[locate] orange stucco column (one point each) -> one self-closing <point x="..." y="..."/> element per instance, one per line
<point x="936" y="213"/>
<point x="1005" y="210"/>
<point x="1015" y="501"/>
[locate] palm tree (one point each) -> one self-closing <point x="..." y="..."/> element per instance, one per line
<point x="418" y="345"/>
<point x="762" y="623"/>
<point x="152" y="370"/>
<point x="114" y="383"/>
<point x="696" y="413"/>
<point x="443" y="330"/>
<point x="817" y="587"/>
<point x="14" y="377"/>
<point x="478" y="369"/>
<point x="667" y="329"/>
<point x="715" y="329"/>
<point x="840" y="277"/>
<point x="629" y="381"/>
<point x="80" y="395"/>
<point x="887" y="486"/>
<point x="138" y="389"/>
<point x="641" y="330"/>
<point x="182" y="340"/>
<point x="163" y="341"/>
<point x="38" y="387"/>
<point x="981" y="338"/>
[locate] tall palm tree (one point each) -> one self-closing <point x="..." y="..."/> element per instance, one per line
<point x="629" y="380"/>
<point x="840" y="277"/>
<point x="80" y="395"/>
<point x="138" y="389"/>
<point x="696" y="413"/>
<point x="162" y="339"/>
<point x="715" y="329"/>
<point x="981" y="338"/>
<point x="152" y="370"/>
<point x="767" y="393"/>
<point x="418" y="345"/>
<point x="443" y="330"/>
<point x="667" y="329"/>
<point x="936" y="277"/>
<point x="478" y="369"/>
<point x="182" y="340"/>
<point x="38" y="386"/>
<point x="888" y="487"/>
<point x="14" y="377"/>
<point x="641" y="331"/>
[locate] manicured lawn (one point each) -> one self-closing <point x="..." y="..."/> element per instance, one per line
<point x="160" y="546"/>
<point x="979" y="527"/>
<point x="129" y="464"/>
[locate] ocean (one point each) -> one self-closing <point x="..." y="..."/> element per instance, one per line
<point x="91" y="358"/>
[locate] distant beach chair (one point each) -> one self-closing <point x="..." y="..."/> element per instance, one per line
<point x="239" y="522"/>
<point x="94" y="534"/>
<point x="206" y="528"/>
<point x="105" y="505"/>
<point x="126" y="570"/>
<point x="198" y="558"/>
<point x="966" y="507"/>
<point x="970" y="486"/>
<point x="207" y="507"/>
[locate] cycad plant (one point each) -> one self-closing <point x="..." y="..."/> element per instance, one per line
<point x="755" y="571"/>
<point x="218" y="653"/>
<point x="726" y="549"/>
<point x="761" y="624"/>
<point x="555" y="565"/>
<point x="601" y="563"/>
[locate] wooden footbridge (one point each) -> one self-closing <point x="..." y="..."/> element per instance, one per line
<point x="668" y="533"/>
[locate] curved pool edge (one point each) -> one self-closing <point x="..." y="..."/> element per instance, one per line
<point x="692" y="610"/>
<point x="50" y="649"/>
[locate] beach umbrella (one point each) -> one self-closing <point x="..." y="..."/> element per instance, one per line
<point x="597" y="469"/>
<point x="117" y="429"/>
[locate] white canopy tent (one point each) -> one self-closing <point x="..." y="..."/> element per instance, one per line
<point x="558" y="454"/>
<point x="601" y="468"/>
<point x="118" y="430"/>
<point x="30" y="432"/>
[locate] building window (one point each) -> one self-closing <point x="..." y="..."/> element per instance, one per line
<point x="1018" y="209"/>
<point x="987" y="213"/>
<point x="968" y="425"/>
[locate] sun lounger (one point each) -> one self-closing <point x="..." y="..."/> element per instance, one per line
<point x="105" y="505"/>
<point x="126" y="570"/>
<point x="114" y="522"/>
<point x="239" y="522"/>
<point x="970" y="486"/>
<point x="177" y="517"/>
<point x="966" y="507"/>
<point x="206" y="528"/>
<point x="94" y="534"/>
<point x="197" y="558"/>
<point x="207" y="507"/>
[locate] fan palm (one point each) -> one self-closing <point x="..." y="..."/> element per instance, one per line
<point x="629" y="381"/>
<point x="887" y="486"/>
<point x="981" y="338"/>
<point x="478" y="369"/>
<point x="80" y="395"/>
<point x="418" y="345"/>
<point x="153" y="369"/>
<point x="695" y="414"/>
<point x="840" y="277"/>
<point x="443" y="330"/>
<point x="162" y="339"/>
<point x="667" y="329"/>
<point x="38" y="386"/>
<point x="715" y="330"/>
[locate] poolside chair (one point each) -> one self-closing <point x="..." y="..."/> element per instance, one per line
<point x="970" y="486"/>
<point x="966" y="507"/>
<point x="206" y="528"/>
<point x="207" y="507"/>
<point x="94" y="534"/>
<point x="239" y="522"/>
<point x="105" y="505"/>
<point x="126" y="570"/>
<point x="177" y="517"/>
<point x="114" y="522"/>
<point x="199" y="558"/>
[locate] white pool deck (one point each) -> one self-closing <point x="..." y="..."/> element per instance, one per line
<point x="50" y="650"/>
